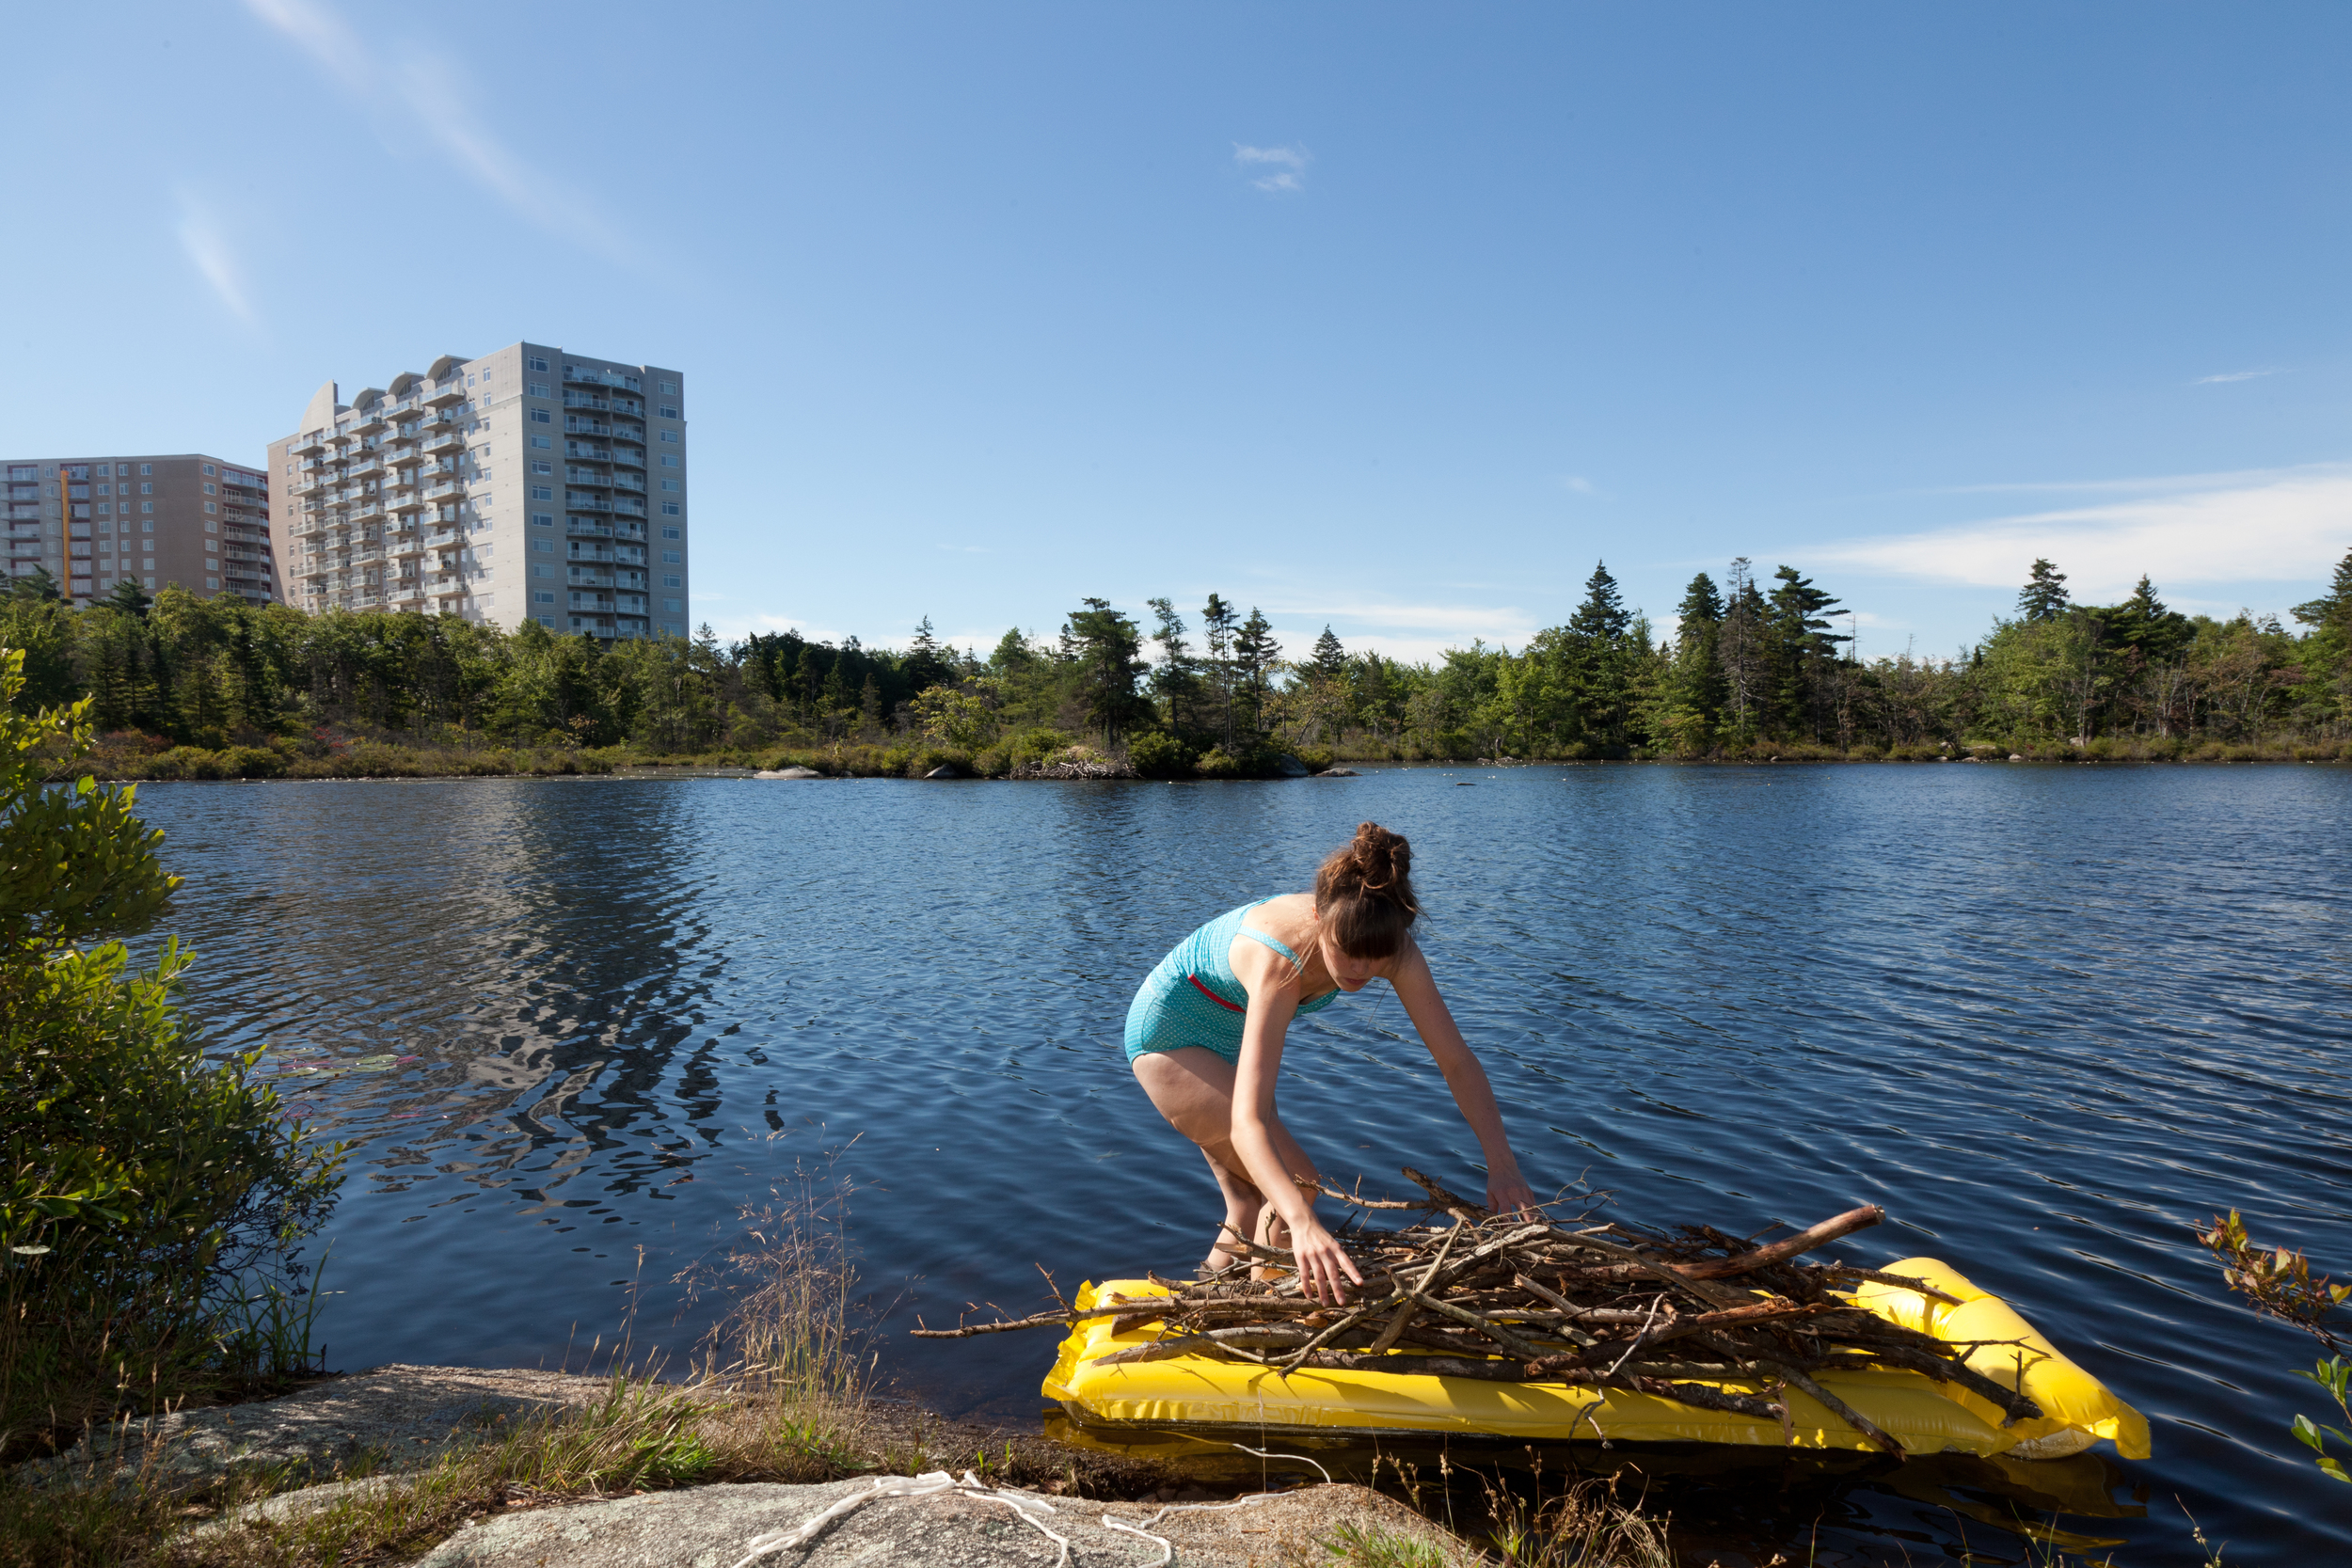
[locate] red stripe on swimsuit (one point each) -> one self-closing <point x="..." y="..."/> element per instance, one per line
<point x="1213" y="996"/>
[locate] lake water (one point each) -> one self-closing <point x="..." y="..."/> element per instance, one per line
<point x="2051" y="1019"/>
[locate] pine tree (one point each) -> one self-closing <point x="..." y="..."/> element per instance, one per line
<point x="1217" y="629"/>
<point x="1255" y="655"/>
<point x="2331" y="610"/>
<point x="1107" y="646"/>
<point x="1594" y="658"/>
<point x="1696" y="683"/>
<point x="1802" y="651"/>
<point x="2044" y="597"/>
<point x="1740" y="645"/>
<point x="1330" y="660"/>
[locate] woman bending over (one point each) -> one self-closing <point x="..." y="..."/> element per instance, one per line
<point x="1205" y="1038"/>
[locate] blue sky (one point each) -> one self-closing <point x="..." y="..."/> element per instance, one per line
<point x="1392" y="317"/>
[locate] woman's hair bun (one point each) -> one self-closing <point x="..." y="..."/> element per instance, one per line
<point x="1364" y="892"/>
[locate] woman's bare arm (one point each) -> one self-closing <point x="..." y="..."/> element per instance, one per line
<point x="1324" y="1266"/>
<point x="1417" y="989"/>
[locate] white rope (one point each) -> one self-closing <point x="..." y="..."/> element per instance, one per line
<point x="930" y="1483"/>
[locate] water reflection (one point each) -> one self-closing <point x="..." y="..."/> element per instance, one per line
<point x="2049" y="1018"/>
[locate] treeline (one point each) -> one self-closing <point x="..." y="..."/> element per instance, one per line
<point x="1756" y="665"/>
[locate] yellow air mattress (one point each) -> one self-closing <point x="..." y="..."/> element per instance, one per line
<point x="1925" y="1415"/>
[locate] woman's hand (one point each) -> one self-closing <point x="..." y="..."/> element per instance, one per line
<point x="1508" y="1192"/>
<point x="1324" y="1267"/>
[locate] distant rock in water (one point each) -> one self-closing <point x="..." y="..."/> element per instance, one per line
<point x="1290" y="767"/>
<point x="944" y="771"/>
<point x="1338" y="773"/>
<point x="788" y="774"/>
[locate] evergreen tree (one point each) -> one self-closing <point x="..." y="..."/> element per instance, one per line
<point x="925" y="666"/>
<point x="37" y="585"/>
<point x="2143" y="623"/>
<point x="129" y="598"/>
<point x="1740" y="645"/>
<point x="2330" y="611"/>
<point x="2044" y="597"/>
<point x="1803" y="652"/>
<point x="1176" y="682"/>
<point x="1256" y="656"/>
<point x="1594" y="666"/>
<point x="1106" y="647"/>
<point x="1696" y="684"/>
<point x="1328" y="661"/>
<point x="1216" y="629"/>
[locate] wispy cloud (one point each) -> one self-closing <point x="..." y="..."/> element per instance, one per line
<point x="1286" y="167"/>
<point x="429" y="92"/>
<point x="1578" y="483"/>
<point x="2287" y="526"/>
<point x="208" y="250"/>
<point x="2236" y="375"/>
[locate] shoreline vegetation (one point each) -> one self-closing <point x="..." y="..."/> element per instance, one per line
<point x="1757" y="670"/>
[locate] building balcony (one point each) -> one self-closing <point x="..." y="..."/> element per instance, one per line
<point x="448" y="394"/>
<point x="309" y="441"/>
<point x="586" y="476"/>
<point x="628" y="481"/>
<point x="444" y="440"/>
<point x="587" y="528"/>
<point x="629" y="406"/>
<point x="449" y="488"/>
<point x="371" y="421"/>
<point x="577" y="424"/>
<point x="371" y="463"/>
<point x="589" y="577"/>
<point x="587" y="451"/>
<point x="368" y="509"/>
<point x="447" y="538"/>
<point x="408" y="501"/>
<point x="628" y="458"/>
<point x="634" y="508"/>
<point x="579" y="502"/>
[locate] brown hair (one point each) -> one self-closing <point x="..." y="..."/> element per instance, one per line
<point x="1364" y="893"/>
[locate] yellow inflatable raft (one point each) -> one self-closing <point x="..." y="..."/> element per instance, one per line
<point x="1927" y="1416"/>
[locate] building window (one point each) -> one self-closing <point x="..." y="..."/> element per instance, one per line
<point x="146" y="468"/>
<point x="148" y="506"/>
<point x="670" y="558"/>
<point x="540" y="466"/>
<point x="670" y="579"/>
<point x="147" y="489"/>
<point x="669" y="460"/>
<point x="147" y="527"/>
<point x="543" y="597"/>
<point x="668" y="435"/>
<point x="666" y="412"/>
<point x="209" y="468"/>
<point x="670" y="607"/>
<point x="535" y="363"/>
<point x="669" y="509"/>
<point x="670" y="485"/>
<point x="540" y="416"/>
<point x="543" y="443"/>
<point x="540" y="519"/>
<point x="211" y="582"/>
<point x="668" y="532"/>
<point x="536" y="388"/>
<point x="667" y="389"/>
<point x="541" y="493"/>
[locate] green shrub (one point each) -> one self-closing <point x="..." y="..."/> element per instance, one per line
<point x="1157" y="754"/>
<point x="1316" y="757"/>
<point x="1218" y="763"/>
<point x="148" y="1198"/>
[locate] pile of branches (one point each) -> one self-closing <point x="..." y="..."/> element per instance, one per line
<point x="1461" y="1292"/>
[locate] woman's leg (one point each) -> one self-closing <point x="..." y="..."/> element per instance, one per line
<point x="1193" y="1087"/>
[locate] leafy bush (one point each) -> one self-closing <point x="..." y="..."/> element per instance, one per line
<point x="1315" y="757"/>
<point x="149" y="1198"/>
<point x="1218" y="763"/>
<point x="1157" y="754"/>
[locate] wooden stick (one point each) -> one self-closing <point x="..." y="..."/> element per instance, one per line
<point x="1803" y="1240"/>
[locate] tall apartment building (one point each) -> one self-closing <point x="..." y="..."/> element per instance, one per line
<point x="527" y="483"/>
<point x="187" y="519"/>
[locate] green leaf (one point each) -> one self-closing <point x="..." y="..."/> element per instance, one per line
<point x="2330" y="1468"/>
<point x="2308" y="1436"/>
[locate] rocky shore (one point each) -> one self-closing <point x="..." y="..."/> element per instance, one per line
<point x="339" y="1447"/>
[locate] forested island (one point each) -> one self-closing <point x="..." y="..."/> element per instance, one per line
<point x="183" y="687"/>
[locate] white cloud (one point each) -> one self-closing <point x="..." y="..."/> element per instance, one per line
<point x="430" y="93"/>
<point x="1578" y="483"/>
<point x="208" y="248"/>
<point x="1287" y="165"/>
<point x="2283" y="526"/>
<point x="2233" y="376"/>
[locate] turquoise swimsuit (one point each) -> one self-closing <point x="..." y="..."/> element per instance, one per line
<point x="1192" y="998"/>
